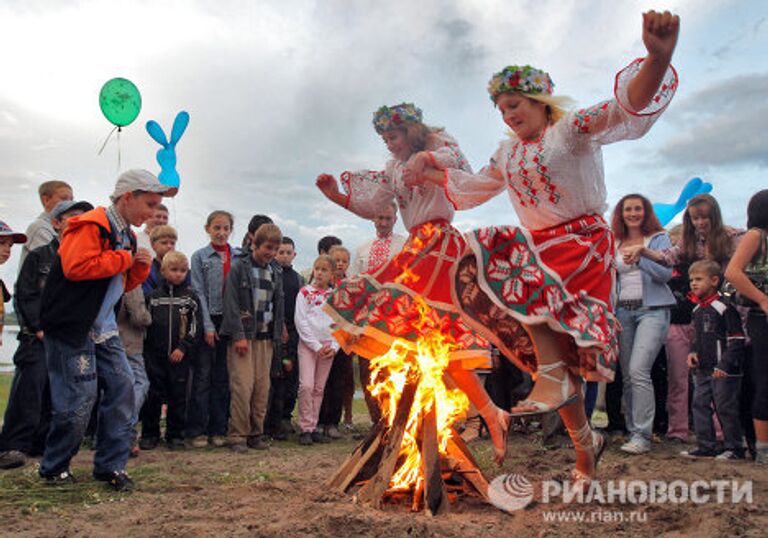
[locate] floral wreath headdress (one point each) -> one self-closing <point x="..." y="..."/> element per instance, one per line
<point x="520" y="78"/>
<point x="386" y="117"/>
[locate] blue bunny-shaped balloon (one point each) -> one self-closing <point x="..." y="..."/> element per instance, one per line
<point x="166" y="156"/>
<point x="667" y="212"/>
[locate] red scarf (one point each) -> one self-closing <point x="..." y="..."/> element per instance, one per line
<point x="226" y="253"/>
<point x="706" y="301"/>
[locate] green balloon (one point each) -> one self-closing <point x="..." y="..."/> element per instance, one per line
<point x="120" y="101"/>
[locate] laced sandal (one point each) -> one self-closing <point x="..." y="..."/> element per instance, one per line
<point x="502" y="420"/>
<point x="539" y="408"/>
<point x="597" y="445"/>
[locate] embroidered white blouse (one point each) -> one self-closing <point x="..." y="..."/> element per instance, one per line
<point x="560" y="176"/>
<point x="370" y="190"/>
<point x="376" y="253"/>
<point x="312" y="323"/>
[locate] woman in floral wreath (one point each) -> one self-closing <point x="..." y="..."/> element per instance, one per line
<point x="373" y="309"/>
<point x="555" y="273"/>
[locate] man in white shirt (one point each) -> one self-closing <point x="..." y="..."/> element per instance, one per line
<point x="370" y="257"/>
<point x="378" y="251"/>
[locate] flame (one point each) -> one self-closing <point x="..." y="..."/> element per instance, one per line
<point x="428" y="358"/>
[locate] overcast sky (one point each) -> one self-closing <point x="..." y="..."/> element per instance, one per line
<point x="281" y="91"/>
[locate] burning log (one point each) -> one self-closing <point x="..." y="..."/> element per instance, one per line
<point x="353" y="467"/>
<point x="373" y="462"/>
<point x="373" y="491"/>
<point x="435" y="495"/>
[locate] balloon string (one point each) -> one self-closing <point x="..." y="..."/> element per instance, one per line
<point x="104" y="145"/>
<point x="119" y="156"/>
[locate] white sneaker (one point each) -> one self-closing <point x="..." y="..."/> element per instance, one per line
<point x="729" y="455"/>
<point x="333" y="432"/>
<point x="633" y="447"/>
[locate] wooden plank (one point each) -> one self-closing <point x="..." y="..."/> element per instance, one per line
<point x="466" y="466"/>
<point x="435" y="495"/>
<point x="349" y="472"/>
<point x="373" y="491"/>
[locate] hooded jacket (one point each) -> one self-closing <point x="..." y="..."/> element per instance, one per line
<point x="80" y="275"/>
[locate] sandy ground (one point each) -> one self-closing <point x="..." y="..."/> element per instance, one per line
<point x="280" y="493"/>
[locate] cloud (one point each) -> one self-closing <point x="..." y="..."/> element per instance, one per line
<point x="722" y="125"/>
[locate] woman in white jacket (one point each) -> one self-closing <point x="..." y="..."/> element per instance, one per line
<point x="316" y="347"/>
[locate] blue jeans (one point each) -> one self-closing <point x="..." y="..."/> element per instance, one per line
<point x="643" y="333"/>
<point x="140" y="385"/>
<point x="74" y="374"/>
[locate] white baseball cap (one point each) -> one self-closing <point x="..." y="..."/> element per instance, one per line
<point x="140" y="180"/>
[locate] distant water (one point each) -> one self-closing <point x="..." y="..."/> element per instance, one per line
<point x="8" y="348"/>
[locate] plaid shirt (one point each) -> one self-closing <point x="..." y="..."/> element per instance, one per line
<point x="263" y="292"/>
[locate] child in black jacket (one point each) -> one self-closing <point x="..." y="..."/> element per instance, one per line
<point x="172" y="339"/>
<point x="716" y="358"/>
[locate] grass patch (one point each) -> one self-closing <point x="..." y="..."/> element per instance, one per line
<point x="23" y="489"/>
<point x="5" y="389"/>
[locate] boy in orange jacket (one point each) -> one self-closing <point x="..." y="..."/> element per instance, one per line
<point x="97" y="262"/>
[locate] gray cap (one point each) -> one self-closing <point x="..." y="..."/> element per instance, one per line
<point x="70" y="205"/>
<point x="5" y="231"/>
<point x="140" y="180"/>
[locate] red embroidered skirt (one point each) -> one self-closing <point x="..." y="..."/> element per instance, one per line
<point x="371" y="310"/>
<point x="561" y="276"/>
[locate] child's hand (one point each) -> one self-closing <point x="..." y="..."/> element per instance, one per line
<point x="211" y="338"/>
<point x="719" y="374"/>
<point x="142" y="256"/>
<point x="287" y="366"/>
<point x="693" y="360"/>
<point x="241" y="347"/>
<point x="176" y="355"/>
<point x="660" y="31"/>
<point x="326" y="352"/>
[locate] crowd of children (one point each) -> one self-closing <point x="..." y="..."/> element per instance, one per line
<point x="230" y="343"/>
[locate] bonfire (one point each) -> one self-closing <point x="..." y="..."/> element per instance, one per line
<point x="414" y="452"/>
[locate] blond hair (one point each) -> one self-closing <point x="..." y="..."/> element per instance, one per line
<point x="707" y="267"/>
<point x="324" y="258"/>
<point x="174" y="259"/>
<point x="267" y="233"/>
<point x="417" y="135"/>
<point x="557" y="105"/>
<point x="163" y="232"/>
<point x="49" y="188"/>
<point x="338" y="248"/>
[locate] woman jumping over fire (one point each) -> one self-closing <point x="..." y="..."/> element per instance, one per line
<point x="554" y="273"/>
<point x="372" y="310"/>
